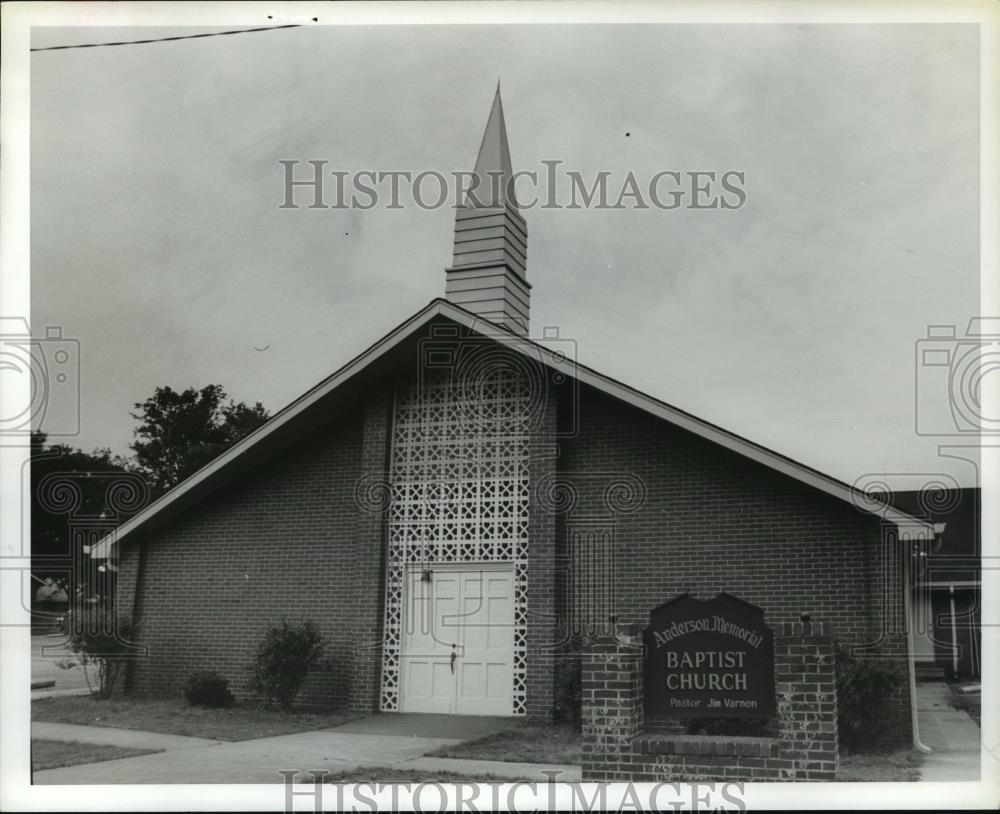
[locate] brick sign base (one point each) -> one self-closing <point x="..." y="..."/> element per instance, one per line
<point x="617" y="746"/>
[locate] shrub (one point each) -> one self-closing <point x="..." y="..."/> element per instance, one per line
<point x="103" y="642"/>
<point x="864" y="686"/>
<point x="283" y="660"/>
<point x="207" y="688"/>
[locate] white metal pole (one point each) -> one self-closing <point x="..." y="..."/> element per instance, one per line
<point x="919" y="745"/>
<point x="954" y="632"/>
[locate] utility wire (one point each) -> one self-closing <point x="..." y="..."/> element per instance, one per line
<point x="165" y="39"/>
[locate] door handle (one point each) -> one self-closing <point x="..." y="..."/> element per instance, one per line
<point x="454" y="656"/>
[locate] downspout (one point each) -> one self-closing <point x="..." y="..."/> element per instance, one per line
<point x="919" y="745"/>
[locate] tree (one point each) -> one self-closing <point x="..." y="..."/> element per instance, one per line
<point x="180" y="432"/>
<point x="71" y="488"/>
<point x="103" y="643"/>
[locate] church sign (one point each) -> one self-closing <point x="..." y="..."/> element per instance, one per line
<point x="712" y="657"/>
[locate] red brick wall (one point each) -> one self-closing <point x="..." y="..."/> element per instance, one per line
<point x="715" y="521"/>
<point x="272" y="545"/>
<point x="703" y="520"/>
<point x="366" y="568"/>
<point x="541" y="612"/>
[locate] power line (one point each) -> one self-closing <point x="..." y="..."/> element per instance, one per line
<point x="166" y="39"/>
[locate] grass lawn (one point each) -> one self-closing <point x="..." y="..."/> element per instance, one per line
<point x="902" y="766"/>
<point x="522" y="743"/>
<point x="970" y="702"/>
<point x="387" y="775"/>
<point x="884" y="768"/>
<point x="46" y="754"/>
<point x="534" y="743"/>
<point x="174" y="716"/>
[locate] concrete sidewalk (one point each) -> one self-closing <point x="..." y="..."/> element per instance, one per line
<point x="108" y="736"/>
<point x="950" y="732"/>
<point x="392" y="741"/>
<point x="427" y="725"/>
<point x="37" y="695"/>
<point x="254" y="761"/>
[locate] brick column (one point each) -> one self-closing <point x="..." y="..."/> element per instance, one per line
<point x="806" y="684"/>
<point x="542" y="623"/>
<point x="368" y="563"/>
<point x="127" y="579"/>
<point x="612" y="705"/>
<point x="127" y="603"/>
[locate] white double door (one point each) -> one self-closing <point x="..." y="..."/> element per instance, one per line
<point x="457" y="653"/>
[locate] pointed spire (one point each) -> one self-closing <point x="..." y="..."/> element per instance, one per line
<point x="493" y="184"/>
<point x="488" y="271"/>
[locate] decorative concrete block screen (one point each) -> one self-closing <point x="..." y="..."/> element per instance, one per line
<point x="617" y="747"/>
<point x="459" y="481"/>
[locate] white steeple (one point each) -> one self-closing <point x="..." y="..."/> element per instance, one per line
<point x="488" y="271"/>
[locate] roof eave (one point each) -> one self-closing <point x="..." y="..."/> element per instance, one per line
<point x="910" y="528"/>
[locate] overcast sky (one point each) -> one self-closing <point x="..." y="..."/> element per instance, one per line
<point x="157" y="240"/>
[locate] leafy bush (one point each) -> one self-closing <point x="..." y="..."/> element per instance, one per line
<point x="207" y="688"/>
<point x="283" y="660"/>
<point x="750" y="727"/>
<point x="864" y="686"/>
<point x="103" y="643"/>
<point x="568" y="701"/>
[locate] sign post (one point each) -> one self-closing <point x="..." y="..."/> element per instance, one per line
<point x="709" y="658"/>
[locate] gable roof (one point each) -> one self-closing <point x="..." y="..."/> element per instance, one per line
<point x="345" y="384"/>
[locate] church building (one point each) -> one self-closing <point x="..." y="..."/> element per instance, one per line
<point x="460" y="503"/>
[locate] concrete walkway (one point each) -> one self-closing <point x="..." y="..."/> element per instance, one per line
<point x="950" y="732"/>
<point x="255" y="761"/>
<point x="108" y="736"/>
<point x="461" y="727"/>
<point x="37" y="695"/>
<point x="382" y="740"/>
